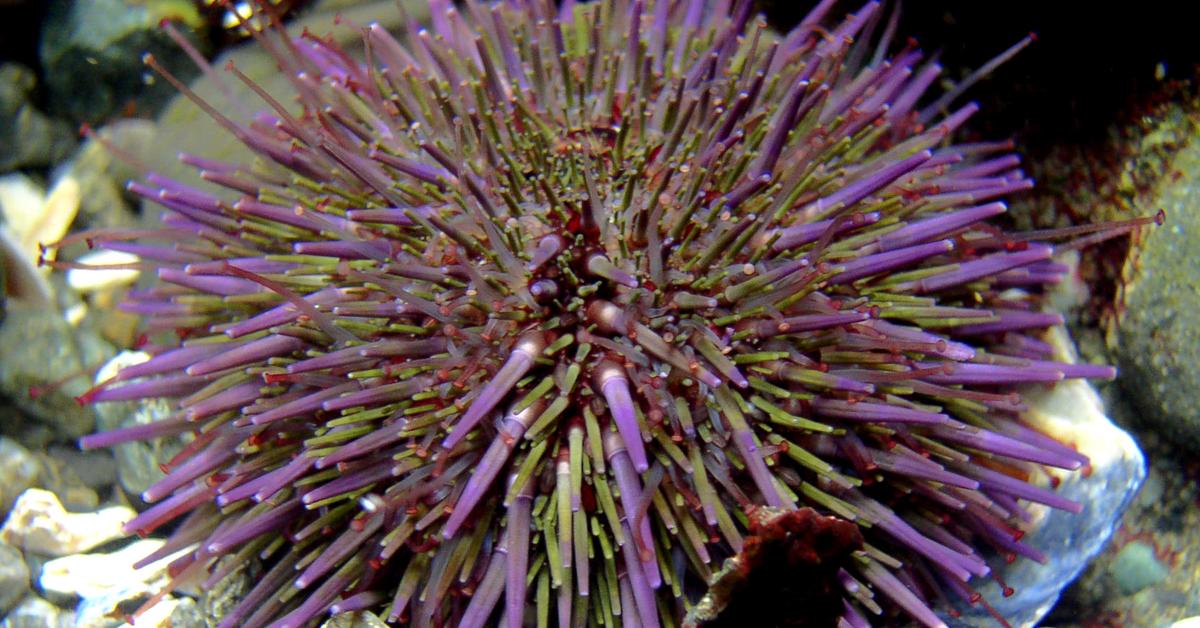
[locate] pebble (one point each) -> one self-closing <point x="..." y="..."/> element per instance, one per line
<point x="35" y="612"/>
<point x="187" y="614"/>
<point x="18" y="471"/>
<point x="66" y="481"/>
<point x="88" y="280"/>
<point x="35" y="217"/>
<point x="14" y="577"/>
<point x="97" y="576"/>
<point x="91" y="51"/>
<point x="93" y="469"/>
<point x="1158" y="343"/>
<point x="109" y="609"/>
<point x="102" y="176"/>
<point x="39" y="350"/>
<point x="28" y="137"/>
<point x="39" y="523"/>
<point x="1136" y="568"/>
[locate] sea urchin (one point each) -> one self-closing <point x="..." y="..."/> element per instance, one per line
<point x="556" y="305"/>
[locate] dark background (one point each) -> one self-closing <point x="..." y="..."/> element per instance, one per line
<point x="1093" y="61"/>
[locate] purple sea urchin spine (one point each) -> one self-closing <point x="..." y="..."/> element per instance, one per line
<point x="654" y="265"/>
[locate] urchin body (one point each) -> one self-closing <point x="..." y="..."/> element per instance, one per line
<point x="526" y="315"/>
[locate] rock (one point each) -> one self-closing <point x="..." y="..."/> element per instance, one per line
<point x="18" y="471"/>
<point x="66" y="481"/>
<point x="1158" y="343"/>
<point x="19" y="278"/>
<point x="93" y="469"/>
<point x="87" y="280"/>
<point x="37" y="351"/>
<point x="137" y="462"/>
<point x="20" y="196"/>
<point x="109" y="609"/>
<point x="187" y="614"/>
<point x="21" y="202"/>
<point x="34" y="612"/>
<point x="39" y="523"/>
<point x="28" y="137"/>
<point x="29" y="432"/>
<point x="92" y="54"/>
<point x="14" y="577"/>
<point x="1136" y="568"/>
<point x="96" y="576"/>
<point x="1072" y="413"/>
<point x="184" y="128"/>
<point x="102" y="176"/>
<point x="228" y="592"/>
<point x="35" y="217"/>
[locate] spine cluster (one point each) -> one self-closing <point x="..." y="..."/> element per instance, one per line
<point x="527" y="314"/>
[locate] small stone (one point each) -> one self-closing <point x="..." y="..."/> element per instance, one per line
<point x="28" y="137"/>
<point x="1136" y="567"/>
<point x="18" y="471"/>
<point x="63" y="474"/>
<point x="228" y="592"/>
<point x="14" y="577"/>
<point x="102" y="176"/>
<point x="20" y="198"/>
<point x="92" y="54"/>
<point x="87" y="280"/>
<point x="39" y="523"/>
<point x="94" y="576"/>
<point x="35" y="612"/>
<point x="109" y="609"/>
<point x="37" y="351"/>
<point x="34" y="217"/>
<point x="1158" y="341"/>
<point x="187" y="614"/>
<point x="93" y="469"/>
<point x="19" y="278"/>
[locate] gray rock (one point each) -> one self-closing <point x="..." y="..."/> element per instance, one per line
<point x="94" y="469"/>
<point x="1136" y="568"/>
<point x="187" y="614"/>
<point x="29" y="432"/>
<point x="228" y="592"/>
<point x="1159" y="338"/>
<point x="184" y="128"/>
<point x="92" y="54"/>
<point x="14" y="577"/>
<point x="28" y="137"/>
<point x="38" y="349"/>
<point x="102" y="177"/>
<point x="18" y="471"/>
<point x="34" y="612"/>
<point x="65" y="480"/>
